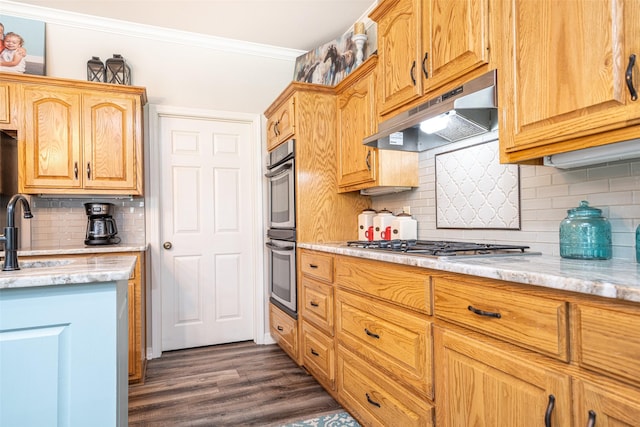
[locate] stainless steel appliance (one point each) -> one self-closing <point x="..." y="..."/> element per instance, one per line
<point x="101" y="227"/>
<point x="281" y="250"/>
<point x="440" y="249"/>
<point x="281" y="234"/>
<point x="281" y="186"/>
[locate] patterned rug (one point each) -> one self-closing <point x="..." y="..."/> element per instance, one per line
<point x="341" y="419"/>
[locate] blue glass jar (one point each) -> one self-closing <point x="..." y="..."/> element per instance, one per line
<point x="638" y="244"/>
<point x="585" y="234"/>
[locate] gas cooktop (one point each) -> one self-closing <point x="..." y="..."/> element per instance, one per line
<point x="442" y="248"/>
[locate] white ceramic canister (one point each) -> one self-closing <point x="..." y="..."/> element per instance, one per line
<point x="382" y="225"/>
<point x="365" y="225"/>
<point x="404" y="227"/>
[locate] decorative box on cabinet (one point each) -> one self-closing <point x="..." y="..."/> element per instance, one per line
<point x="361" y="166"/>
<point x="425" y="45"/>
<point x="575" y="94"/>
<point x="77" y="137"/>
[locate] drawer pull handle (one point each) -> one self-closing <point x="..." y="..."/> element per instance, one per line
<point x="412" y="73"/>
<point x="629" y="78"/>
<point x="280" y="328"/>
<point x="313" y="304"/>
<point x="373" y="402"/>
<point x="424" y="65"/>
<point x="592" y="419"/>
<point x="313" y="266"/>
<point x="75" y="170"/>
<point x="547" y="414"/>
<point x="371" y="334"/>
<point x="315" y="353"/>
<point x="484" y="313"/>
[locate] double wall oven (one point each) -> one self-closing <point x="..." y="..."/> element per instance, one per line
<point x="281" y="232"/>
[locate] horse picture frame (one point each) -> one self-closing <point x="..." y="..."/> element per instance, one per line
<point x="328" y="64"/>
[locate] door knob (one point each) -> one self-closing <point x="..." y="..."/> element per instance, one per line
<point x="167" y="245"/>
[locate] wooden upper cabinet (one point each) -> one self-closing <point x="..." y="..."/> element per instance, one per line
<point x="109" y="142"/>
<point x="80" y="141"/>
<point x="426" y="44"/>
<point x="7" y="100"/>
<point x="50" y="155"/>
<point x="280" y="124"/>
<point x="562" y="78"/>
<point x="357" y="163"/>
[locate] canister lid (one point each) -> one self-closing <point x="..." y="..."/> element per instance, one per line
<point x="584" y="210"/>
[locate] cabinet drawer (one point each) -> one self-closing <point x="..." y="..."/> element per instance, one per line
<point x="608" y="340"/>
<point x="398" y="342"/>
<point x="505" y="312"/>
<point x="317" y="304"/>
<point x="406" y="286"/>
<point x="318" y="355"/>
<point x="284" y="331"/>
<point x="376" y="401"/>
<point x="317" y="265"/>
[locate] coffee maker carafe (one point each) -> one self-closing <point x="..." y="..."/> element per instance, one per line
<point x="101" y="227"/>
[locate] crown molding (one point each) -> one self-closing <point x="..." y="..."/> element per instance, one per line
<point x="130" y="29"/>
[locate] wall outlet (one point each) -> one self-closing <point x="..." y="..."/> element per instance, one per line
<point x="406" y="209"/>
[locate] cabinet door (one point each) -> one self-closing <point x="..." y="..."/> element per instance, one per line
<point x="110" y="140"/>
<point x="51" y="153"/>
<point x="565" y="75"/>
<point x="597" y="405"/>
<point x="400" y="51"/>
<point x="5" y="109"/>
<point x="281" y="125"/>
<point x="483" y="385"/>
<point x="458" y="39"/>
<point x="356" y="120"/>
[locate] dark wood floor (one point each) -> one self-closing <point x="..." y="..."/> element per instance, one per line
<point x="240" y="384"/>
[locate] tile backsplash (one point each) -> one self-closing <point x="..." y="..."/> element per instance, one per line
<point x="546" y="194"/>
<point x="62" y="222"/>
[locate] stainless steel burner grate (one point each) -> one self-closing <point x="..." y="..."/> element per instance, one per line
<point x="441" y="248"/>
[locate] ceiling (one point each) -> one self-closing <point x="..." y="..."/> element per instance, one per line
<point x="294" y="24"/>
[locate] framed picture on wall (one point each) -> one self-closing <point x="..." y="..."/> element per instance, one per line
<point x="22" y="48"/>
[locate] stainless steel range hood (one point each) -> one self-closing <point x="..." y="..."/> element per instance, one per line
<point x="468" y="110"/>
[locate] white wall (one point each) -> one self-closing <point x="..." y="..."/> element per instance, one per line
<point x="177" y="68"/>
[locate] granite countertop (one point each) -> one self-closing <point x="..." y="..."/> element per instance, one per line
<point x="607" y="278"/>
<point x="80" y="250"/>
<point x="87" y="269"/>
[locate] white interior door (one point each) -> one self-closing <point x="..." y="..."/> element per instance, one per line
<point x="206" y="216"/>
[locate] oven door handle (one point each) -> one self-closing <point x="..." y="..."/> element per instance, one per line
<point x="281" y="170"/>
<point x="279" y="248"/>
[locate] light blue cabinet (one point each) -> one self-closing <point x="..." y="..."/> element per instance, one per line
<point x="63" y="355"/>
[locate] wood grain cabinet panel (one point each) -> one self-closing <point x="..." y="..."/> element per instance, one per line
<point x="484" y="384"/>
<point x="7" y="101"/>
<point x="424" y="45"/>
<point x="284" y="330"/>
<point x="78" y="137"/>
<point x="605" y="404"/>
<point x="281" y="124"/>
<point x="375" y="399"/>
<point x="396" y="341"/>
<point x="317" y="265"/>
<point x="405" y="286"/>
<point x="318" y="355"/>
<point x="608" y="340"/>
<point x="535" y="322"/>
<point x="316" y="304"/>
<point x="574" y="95"/>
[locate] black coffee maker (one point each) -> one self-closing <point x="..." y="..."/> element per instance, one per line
<point x="101" y="227"/>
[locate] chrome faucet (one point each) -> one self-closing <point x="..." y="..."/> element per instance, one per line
<point x="10" y="236"/>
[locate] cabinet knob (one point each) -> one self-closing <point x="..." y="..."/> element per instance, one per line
<point x="167" y="245"/>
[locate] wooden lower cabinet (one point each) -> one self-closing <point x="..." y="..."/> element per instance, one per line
<point x="483" y="384"/>
<point x="284" y="330"/>
<point x="318" y="355"/>
<point x="375" y="399"/>
<point x="605" y="404"/>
